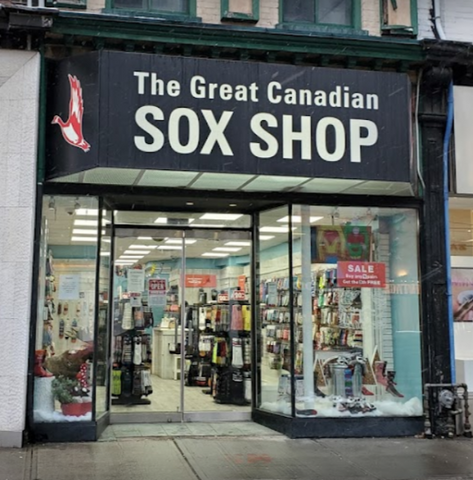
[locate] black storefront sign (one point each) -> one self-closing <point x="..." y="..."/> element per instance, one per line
<point x="141" y="111"/>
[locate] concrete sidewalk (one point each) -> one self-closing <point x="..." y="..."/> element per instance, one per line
<point x="238" y="457"/>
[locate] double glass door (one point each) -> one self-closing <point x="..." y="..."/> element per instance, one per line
<point x="181" y="321"/>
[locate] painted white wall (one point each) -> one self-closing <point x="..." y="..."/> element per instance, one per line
<point x="19" y="102"/>
<point x="456" y="17"/>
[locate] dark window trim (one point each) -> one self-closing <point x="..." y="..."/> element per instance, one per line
<point x="388" y="29"/>
<point x="226" y="14"/>
<point x="168" y="15"/>
<point x="355" y="26"/>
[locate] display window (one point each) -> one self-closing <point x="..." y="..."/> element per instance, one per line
<point x="64" y="355"/>
<point x="341" y="299"/>
<point x="461" y="250"/>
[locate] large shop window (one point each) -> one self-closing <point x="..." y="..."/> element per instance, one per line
<point x="346" y="316"/>
<point x="65" y="369"/>
<point x="338" y="13"/>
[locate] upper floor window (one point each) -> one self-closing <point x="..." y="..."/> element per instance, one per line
<point x="320" y="12"/>
<point x="178" y="7"/>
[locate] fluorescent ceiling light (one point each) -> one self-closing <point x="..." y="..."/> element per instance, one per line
<point x="276" y="229"/>
<point x="266" y="237"/>
<point x="170" y="247"/>
<point x="86" y="223"/>
<point x="215" y="254"/>
<point x="144" y="247"/>
<point x="297" y="219"/>
<point x="89" y="212"/>
<point x="84" y="231"/>
<point x="137" y="252"/>
<point x="165" y="220"/>
<point x="201" y="225"/>
<point x="84" y="239"/>
<point x="239" y="244"/>
<point x="226" y="249"/>
<point x="221" y="216"/>
<point x="145" y="238"/>
<point x="188" y="241"/>
<point x="105" y="254"/>
<point x="131" y="257"/>
<point x="106" y="240"/>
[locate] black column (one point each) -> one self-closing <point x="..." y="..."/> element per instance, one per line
<point x="436" y="338"/>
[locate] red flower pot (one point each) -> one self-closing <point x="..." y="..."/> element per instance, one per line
<point x="76" y="409"/>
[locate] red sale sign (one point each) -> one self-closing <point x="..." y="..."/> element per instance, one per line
<point x="361" y="274"/>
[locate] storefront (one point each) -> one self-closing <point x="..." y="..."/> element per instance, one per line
<point x="461" y="225"/>
<point x="227" y="240"/>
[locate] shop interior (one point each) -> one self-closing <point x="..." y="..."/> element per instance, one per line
<point x="177" y="307"/>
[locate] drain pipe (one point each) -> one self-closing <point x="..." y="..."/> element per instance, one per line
<point x="440" y="34"/>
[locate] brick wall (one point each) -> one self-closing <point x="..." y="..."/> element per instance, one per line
<point x="370" y="16"/>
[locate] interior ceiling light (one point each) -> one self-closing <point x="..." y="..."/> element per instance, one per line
<point x="232" y="205"/>
<point x="227" y="249"/>
<point x="298" y="219"/>
<point x="88" y="212"/>
<point x="84" y="239"/>
<point x="108" y="240"/>
<point x="266" y="237"/>
<point x="201" y="225"/>
<point x="52" y="203"/>
<point x="221" y="216"/>
<point x="131" y="256"/>
<point x="188" y="241"/>
<point x="276" y="229"/>
<point x="173" y="221"/>
<point x="145" y="238"/>
<point x="215" y="254"/>
<point x="137" y="252"/>
<point x="105" y="254"/>
<point x="161" y="220"/>
<point x="170" y="247"/>
<point x="239" y="244"/>
<point x="189" y="203"/>
<point x="84" y="231"/>
<point x="144" y="247"/>
<point x="86" y="223"/>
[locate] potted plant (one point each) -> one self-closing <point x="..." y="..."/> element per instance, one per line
<point x="72" y="395"/>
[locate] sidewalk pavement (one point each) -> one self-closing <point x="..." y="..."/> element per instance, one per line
<point x="239" y="453"/>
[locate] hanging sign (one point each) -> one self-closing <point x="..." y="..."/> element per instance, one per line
<point x="222" y="297"/>
<point x="361" y="274"/>
<point x="136" y="280"/>
<point x="239" y="295"/>
<point x="157" y="289"/>
<point x="201" y="281"/>
<point x="69" y="287"/>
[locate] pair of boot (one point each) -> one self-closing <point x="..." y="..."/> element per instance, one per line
<point x="39" y="369"/>
<point x="386" y="378"/>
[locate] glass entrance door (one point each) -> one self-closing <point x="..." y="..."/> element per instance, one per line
<point x="181" y="322"/>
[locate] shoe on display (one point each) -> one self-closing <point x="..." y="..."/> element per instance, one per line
<point x="365" y="391"/>
<point x="39" y="370"/>
<point x="380" y="373"/>
<point x="390" y="388"/>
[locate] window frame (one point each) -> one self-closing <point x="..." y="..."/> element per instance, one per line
<point x="79" y="5"/>
<point x="191" y="16"/>
<point x="404" y="30"/>
<point x="354" y="27"/>
<point x="226" y="14"/>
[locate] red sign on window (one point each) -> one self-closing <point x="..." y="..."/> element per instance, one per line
<point x="201" y="281"/>
<point x="361" y="274"/>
